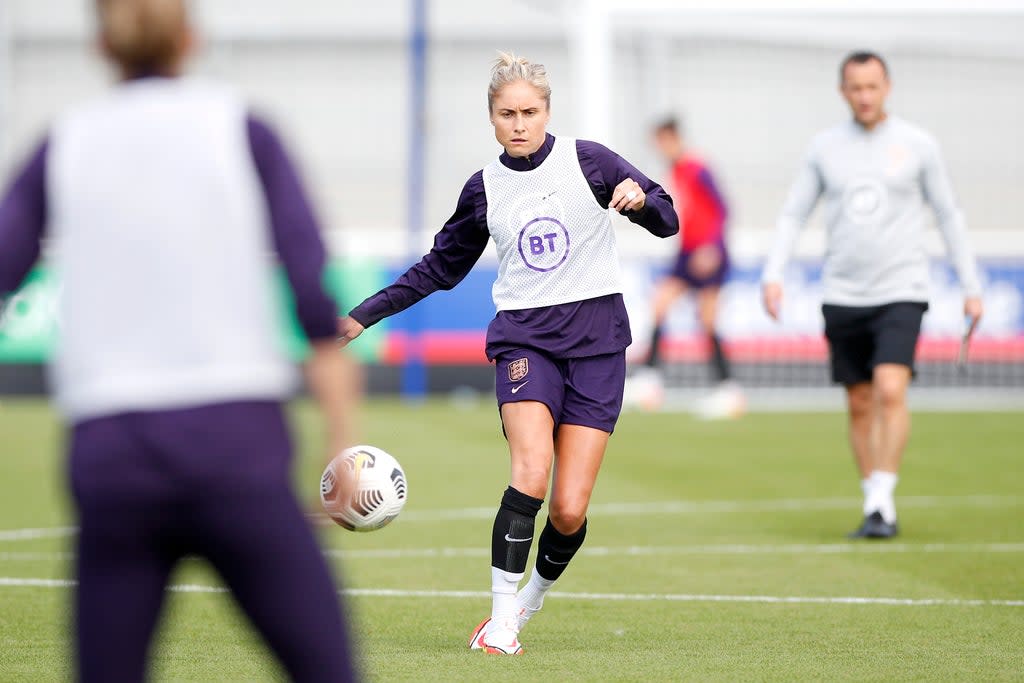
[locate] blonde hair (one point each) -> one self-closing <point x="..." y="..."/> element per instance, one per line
<point x="143" y="35"/>
<point x="508" y="68"/>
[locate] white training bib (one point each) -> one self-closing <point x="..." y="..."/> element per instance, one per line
<point x="163" y="246"/>
<point x="555" y="243"/>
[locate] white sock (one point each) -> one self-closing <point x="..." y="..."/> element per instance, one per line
<point x="883" y="484"/>
<point x="865" y="487"/>
<point x="532" y="595"/>
<point x="503" y="592"/>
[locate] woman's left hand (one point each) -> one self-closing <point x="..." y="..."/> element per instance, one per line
<point x="627" y="196"/>
<point x="348" y="329"/>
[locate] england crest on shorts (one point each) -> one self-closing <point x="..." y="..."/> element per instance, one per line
<point x="517" y="369"/>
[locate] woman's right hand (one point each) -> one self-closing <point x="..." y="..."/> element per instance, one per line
<point x="772" y="298"/>
<point x="348" y="329"/>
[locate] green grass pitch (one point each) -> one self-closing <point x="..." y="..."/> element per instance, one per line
<point x="716" y="552"/>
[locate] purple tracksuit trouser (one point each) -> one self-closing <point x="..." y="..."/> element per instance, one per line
<point x="212" y="481"/>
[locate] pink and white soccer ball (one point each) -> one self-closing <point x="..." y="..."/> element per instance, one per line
<point x="378" y="484"/>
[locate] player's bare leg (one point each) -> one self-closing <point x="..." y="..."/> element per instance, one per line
<point x="860" y="410"/>
<point x="707" y="316"/>
<point x="863" y="435"/>
<point x="579" y="451"/>
<point x="879" y="427"/>
<point x="666" y="292"/>
<point x="889" y="391"/>
<point x="727" y="400"/>
<point x="890" y="384"/>
<point x="529" y="428"/>
<point x="707" y="308"/>
<point x="645" y="387"/>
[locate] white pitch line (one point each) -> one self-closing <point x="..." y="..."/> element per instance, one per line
<point x="34" y="556"/>
<point x="11" y="582"/>
<point x="612" y="597"/>
<point x="31" y="534"/>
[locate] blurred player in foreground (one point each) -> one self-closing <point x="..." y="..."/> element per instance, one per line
<point x="559" y="337"/>
<point x="876" y="173"/>
<point x="701" y="268"/>
<point x="162" y="200"/>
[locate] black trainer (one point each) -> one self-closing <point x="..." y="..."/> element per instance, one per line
<point x="874" y="526"/>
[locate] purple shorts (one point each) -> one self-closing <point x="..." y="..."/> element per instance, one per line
<point x="682" y="271"/>
<point x="580" y="391"/>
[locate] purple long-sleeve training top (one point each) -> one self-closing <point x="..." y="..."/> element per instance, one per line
<point x="296" y="235"/>
<point x="573" y="330"/>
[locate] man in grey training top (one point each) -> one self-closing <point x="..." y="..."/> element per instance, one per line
<point x="875" y="173"/>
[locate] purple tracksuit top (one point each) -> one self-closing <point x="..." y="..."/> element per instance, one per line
<point x="590" y="327"/>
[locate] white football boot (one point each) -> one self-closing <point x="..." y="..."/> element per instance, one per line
<point x="644" y="389"/>
<point x="724" y="403"/>
<point x="476" y="640"/>
<point x="496" y="641"/>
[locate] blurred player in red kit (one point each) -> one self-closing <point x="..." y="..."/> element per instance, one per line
<point x="701" y="267"/>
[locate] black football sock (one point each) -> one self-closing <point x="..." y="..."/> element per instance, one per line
<point x="555" y="550"/>
<point x="654" y="357"/>
<point x="512" y="534"/>
<point x="511" y="539"/>
<point x="723" y="371"/>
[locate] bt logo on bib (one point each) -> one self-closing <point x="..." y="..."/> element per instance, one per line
<point x="544" y="244"/>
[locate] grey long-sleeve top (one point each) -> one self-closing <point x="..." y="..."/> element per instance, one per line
<point x="875" y="186"/>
